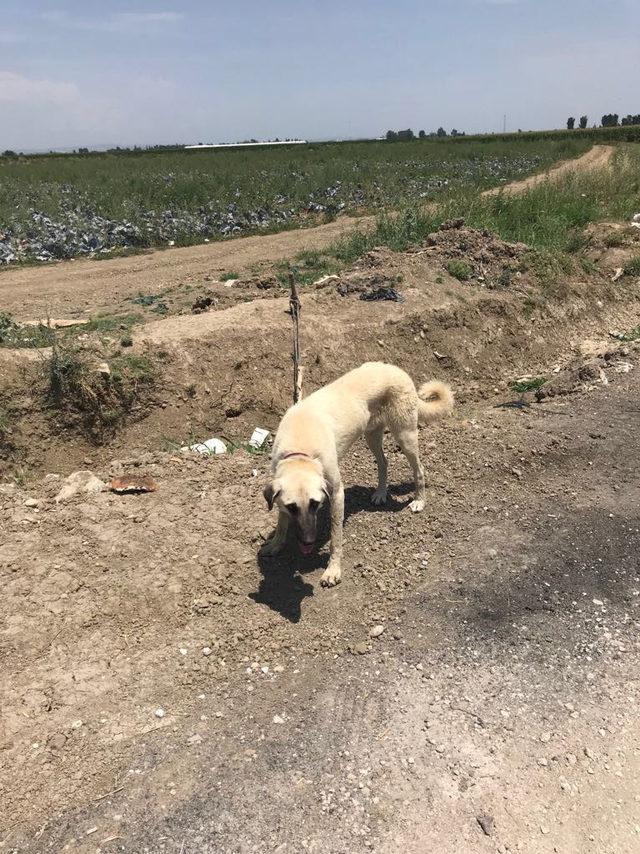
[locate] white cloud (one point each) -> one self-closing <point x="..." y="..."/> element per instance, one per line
<point x="14" y="88"/>
<point x="148" y="17"/>
<point x="118" y="22"/>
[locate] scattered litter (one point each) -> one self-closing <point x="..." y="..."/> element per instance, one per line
<point x="635" y="221"/>
<point x="80" y="481"/>
<point x="619" y="272"/>
<point x="159" y="713"/>
<point x="259" y="437"/>
<point x="620" y="368"/>
<point x="229" y="283"/>
<point x="376" y="631"/>
<point x="210" y="447"/>
<point x="206" y="650"/>
<point x="103" y="368"/>
<point x="91" y="830"/>
<point x="324" y="279"/>
<point x="133" y="483"/>
<point x="382" y="293"/>
<point x="277" y="719"/>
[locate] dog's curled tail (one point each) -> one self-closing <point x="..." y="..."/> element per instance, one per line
<point x="436" y="400"/>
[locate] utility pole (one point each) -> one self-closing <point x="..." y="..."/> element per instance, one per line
<point x="504" y="123"/>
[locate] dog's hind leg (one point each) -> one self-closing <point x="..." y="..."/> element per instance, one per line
<point x="331" y="576"/>
<point x="374" y="441"/>
<point x="278" y="538"/>
<point x="408" y="441"/>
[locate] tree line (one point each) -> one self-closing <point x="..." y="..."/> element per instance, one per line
<point x="611" y="120"/>
<point x="408" y="134"/>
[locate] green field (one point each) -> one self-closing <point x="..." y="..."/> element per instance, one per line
<point x="60" y="206"/>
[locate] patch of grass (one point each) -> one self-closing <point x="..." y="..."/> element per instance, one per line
<point x="613" y="239"/>
<point x="110" y="322"/>
<point x="98" y="398"/>
<point x="225" y="277"/>
<point x="522" y="386"/>
<point x="153" y="301"/>
<point x="631" y="335"/>
<point x="460" y="270"/>
<point x="632" y="267"/>
<point x="20" y="336"/>
<point x="126" y="341"/>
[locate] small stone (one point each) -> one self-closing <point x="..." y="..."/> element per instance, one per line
<point x="206" y="650"/>
<point x="589" y="753"/>
<point x="91" y="830"/>
<point x="376" y="631"/>
<point x="571" y="759"/>
<point x="278" y="669"/>
<point x="545" y="738"/>
<point x="542" y="761"/>
<point x="159" y="713"/>
<point x="183" y="650"/>
<point x="278" y="719"/>
<point x="31" y="502"/>
<point x="361" y="648"/>
<point x="544" y="829"/>
<point x="598" y="602"/>
<point x="76" y="724"/>
<point x="57" y="741"/>
<point x="486" y="823"/>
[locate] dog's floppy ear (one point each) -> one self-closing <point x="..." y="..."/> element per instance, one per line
<point x="269" y="495"/>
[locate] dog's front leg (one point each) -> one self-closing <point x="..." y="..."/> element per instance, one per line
<point x="279" y="537"/>
<point x="331" y="575"/>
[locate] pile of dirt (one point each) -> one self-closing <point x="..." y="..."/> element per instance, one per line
<point x="491" y="261"/>
<point x="586" y="371"/>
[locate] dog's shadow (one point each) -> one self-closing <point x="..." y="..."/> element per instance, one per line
<point x="282" y="586"/>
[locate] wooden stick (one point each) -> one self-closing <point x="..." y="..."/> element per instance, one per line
<point x="294" y="306"/>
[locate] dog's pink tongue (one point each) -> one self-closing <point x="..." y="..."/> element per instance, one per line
<point x="305" y="548"/>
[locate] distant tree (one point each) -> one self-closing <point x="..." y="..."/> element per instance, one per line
<point x="630" y="120"/>
<point x="610" y="120"/>
<point x="441" y="132"/>
<point x="571" y="123"/>
<point x="406" y="134"/>
<point x="83" y="151"/>
<point x="392" y="136"/>
<point x="9" y="153"/>
<point x="422" y="135"/>
<point x="455" y="132"/>
<point x="583" y="121"/>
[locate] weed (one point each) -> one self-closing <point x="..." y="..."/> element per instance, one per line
<point x="152" y="301"/>
<point x="522" y="386"/>
<point x="631" y="335"/>
<point x="126" y="341"/>
<point x="632" y="267"/>
<point x="613" y="239"/>
<point x="225" y="277"/>
<point x="19" y="336"/>
<point x="459" y="269"/>
<point x="99" y="398"/>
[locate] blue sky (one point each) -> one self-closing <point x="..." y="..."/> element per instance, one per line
<point x="88" y="73"/>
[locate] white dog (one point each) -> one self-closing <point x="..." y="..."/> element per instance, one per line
<point x="315" y="433"/>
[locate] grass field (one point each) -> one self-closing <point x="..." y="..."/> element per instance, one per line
<point x="61" y="206"/>
<point x="549" y="218"/>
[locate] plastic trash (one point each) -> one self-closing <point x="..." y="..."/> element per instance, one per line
<point x="211" y="446"/>
<point x="259" y="437"/>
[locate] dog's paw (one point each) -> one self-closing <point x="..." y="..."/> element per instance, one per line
<point x="272" y="547"/>
<point x="379" y="497"/>
<point x="417" y="506"/>
<point x="331" y="576"/>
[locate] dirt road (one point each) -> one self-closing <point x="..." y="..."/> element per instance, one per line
<point x="68" y="288"/>
<point x="597" y="157"/>
<point x="501" y="695"/>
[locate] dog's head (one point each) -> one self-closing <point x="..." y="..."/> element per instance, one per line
<point x="299" y="490"/>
